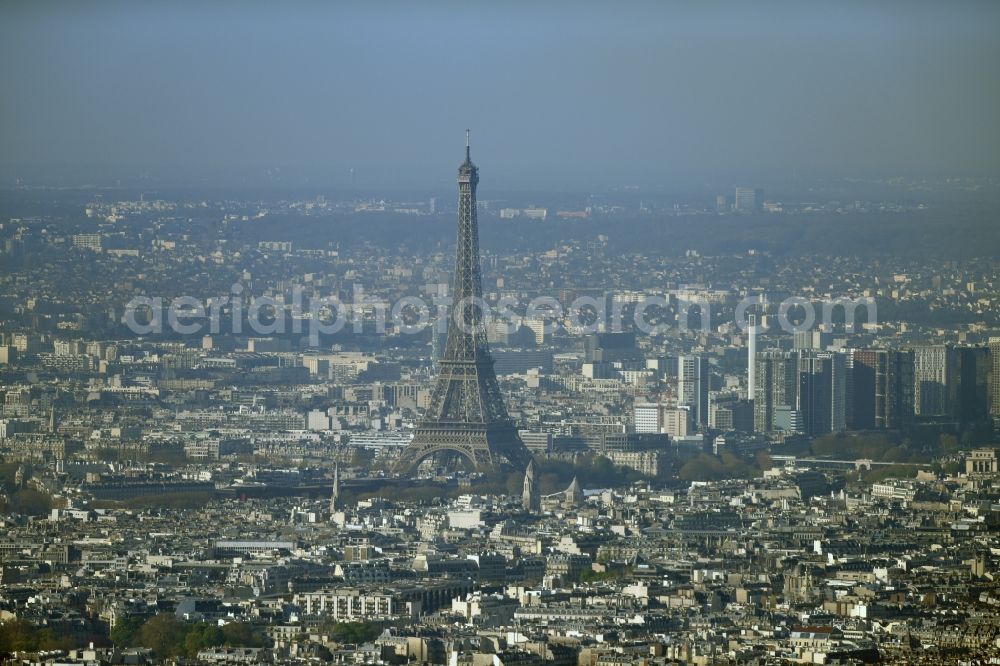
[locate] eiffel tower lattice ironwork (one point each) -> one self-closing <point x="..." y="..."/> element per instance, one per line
<point x="467" y="415"/>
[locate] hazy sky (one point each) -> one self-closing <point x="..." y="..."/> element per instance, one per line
<point x="573" y="90"/>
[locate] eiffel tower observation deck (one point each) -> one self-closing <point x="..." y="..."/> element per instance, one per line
<point x="467" y="416"/>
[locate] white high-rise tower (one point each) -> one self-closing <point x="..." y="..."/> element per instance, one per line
<point x="751" y="356"/>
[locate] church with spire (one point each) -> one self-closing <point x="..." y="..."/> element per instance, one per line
<point x="573" y="496"/>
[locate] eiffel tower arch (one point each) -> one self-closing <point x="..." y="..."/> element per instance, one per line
<point x="467" y="415"/>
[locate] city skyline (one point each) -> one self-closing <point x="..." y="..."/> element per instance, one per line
<point x="706" y="371"/>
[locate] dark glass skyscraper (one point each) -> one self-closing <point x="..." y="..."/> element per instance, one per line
<point x="882" y="389"/>
<point x="822" y="383"/>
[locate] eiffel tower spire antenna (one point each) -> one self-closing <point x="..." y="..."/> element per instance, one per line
<point x="467" y="415"/>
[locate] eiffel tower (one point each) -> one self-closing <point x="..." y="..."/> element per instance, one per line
<point x="467" y="416"/>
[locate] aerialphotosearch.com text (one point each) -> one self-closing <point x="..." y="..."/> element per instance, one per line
<point x="317" y="316"/>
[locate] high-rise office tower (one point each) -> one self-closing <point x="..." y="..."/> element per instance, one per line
<point x="822" y="394"/>
<point x="693" y="385"/>
<point x="848" y="387"/>
<point x="646" y="417"/>
<point x="467" y="415"/>
<point x="751" y="356"/>
<point x="995" y="378"/>
<point x="935" y="380"/>
<point x="975" y="367"/>
<point x="882" y="389"/>
<point x="729" y="412"/>
<point x="868" y="396"/>
<point x="776" y="385"/>
<point x="903" y="366"/>
<point x="749" y="199"/>
<point x="811" y="339"/>
<point x="656" y="418"/>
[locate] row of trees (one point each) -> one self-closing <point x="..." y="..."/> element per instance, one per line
<point x="21" y="636"/>
<point x="913" y="445"/>
<point x="853" y="446"/>
<point x="352" y="632"/>
<point x="707" y="467"/>
<point x="593" y="471"/>
<point x="26" y="501"/>
<point x="168" y="637"/>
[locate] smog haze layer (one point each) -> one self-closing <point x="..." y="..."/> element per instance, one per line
<point x="559" y="95"/>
